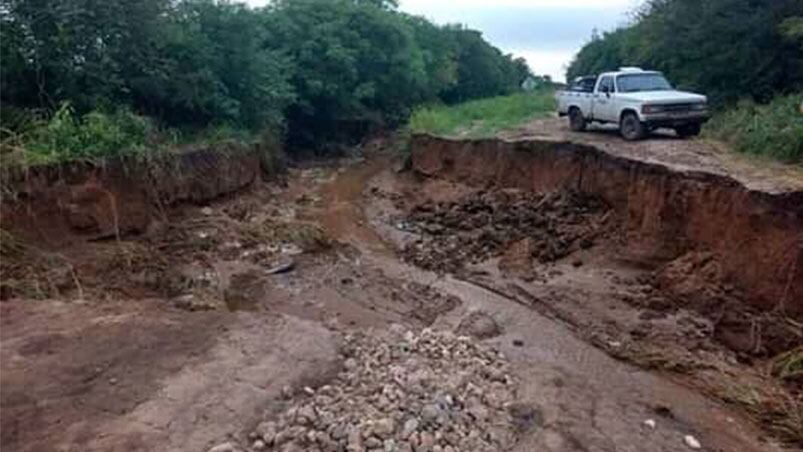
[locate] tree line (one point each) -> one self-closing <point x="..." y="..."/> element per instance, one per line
<point x="318" y="71"/>
<point x="728" y="49"/>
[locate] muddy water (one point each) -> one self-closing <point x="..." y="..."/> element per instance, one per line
<point x="589" y="401"/>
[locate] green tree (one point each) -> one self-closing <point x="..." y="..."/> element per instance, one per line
<point x="725" y="48"/>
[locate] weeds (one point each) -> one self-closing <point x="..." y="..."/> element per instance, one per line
<point x="789" y="365"/>
<point x="774" y="130"/>
<point x="482" y="118"/>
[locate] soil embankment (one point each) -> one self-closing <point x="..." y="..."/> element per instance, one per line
<point x="59" y="204"/>
<point x="756" y="237"/>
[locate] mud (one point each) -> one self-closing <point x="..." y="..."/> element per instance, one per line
<point x="479" y="227"/>
<point x="225" y="313"/>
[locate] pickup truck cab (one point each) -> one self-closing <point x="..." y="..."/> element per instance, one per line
<point x="638" y="101"/>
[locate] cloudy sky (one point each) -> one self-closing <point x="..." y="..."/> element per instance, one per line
<point x="547" y="33"/>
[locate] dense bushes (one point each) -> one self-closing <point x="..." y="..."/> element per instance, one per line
<point x="322" y="70"/>
<point x="728" y="49"/>
<point x="774" y="130"/>
<point x="68" y="136"/>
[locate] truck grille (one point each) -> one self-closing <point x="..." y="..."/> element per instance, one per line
<point x="677" y="108"/>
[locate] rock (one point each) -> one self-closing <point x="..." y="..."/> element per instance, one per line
<point x="410" y="426"/>
<point x="480" y="325"/>
<point x="384" y="428"/>
<point x="354" y="440"/>
<point x="306" y="415"/>
<point x="691" y="442"/>
<point x="207" y="211"/>
<point x="650" y="423"/>
<point x="258" y="445"/>
<point x="225" y="447"/>
<point x="427" y="442"/>
<point x="373" y="443"/>
<point x="430" y="413"/>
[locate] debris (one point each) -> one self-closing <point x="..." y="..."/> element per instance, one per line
<point x="650" y="423"/>
<point x="282" y="267"/>
<point x="483" y="225"/>
<point x="692" y="442"/>
<point x="207" y="211"/>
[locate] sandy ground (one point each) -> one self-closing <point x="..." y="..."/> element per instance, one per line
<point x="135" y="372"/>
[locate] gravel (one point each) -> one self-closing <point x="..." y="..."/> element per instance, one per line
<point x="405" y="391"/>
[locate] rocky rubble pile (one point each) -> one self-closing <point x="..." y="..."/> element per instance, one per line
<point x="481" y="225"/>
<point x="432" y="391"/>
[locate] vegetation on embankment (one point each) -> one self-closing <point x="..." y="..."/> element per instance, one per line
<point x="774" y="130"/>
<point x="322" y="72"/>
<point x="67" y="136"/>
<point x="484" y="117"/>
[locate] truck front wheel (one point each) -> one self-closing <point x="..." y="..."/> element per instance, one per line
<point x="576" y="120"/>
<point x="688" y="130"/>
<point x="631" y="128"/>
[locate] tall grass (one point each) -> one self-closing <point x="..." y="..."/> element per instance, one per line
<point x="774" y="130"/>
<point x="484" y="117"/>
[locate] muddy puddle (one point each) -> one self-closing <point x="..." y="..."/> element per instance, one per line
<point x="359" y="308"/>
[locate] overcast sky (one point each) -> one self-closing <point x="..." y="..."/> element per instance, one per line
<point x="547" y="33"/>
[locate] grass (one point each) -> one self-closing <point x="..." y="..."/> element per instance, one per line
<point x="30" y="140"/>
<point x="483" y="117"/>
<point x="774" y="130"/>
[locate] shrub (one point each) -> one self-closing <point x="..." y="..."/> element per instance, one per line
<point x="66" y="136"/>
<point x="774" y="129"/>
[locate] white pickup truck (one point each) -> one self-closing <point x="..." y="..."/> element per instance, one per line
<point x="638" y="101"/>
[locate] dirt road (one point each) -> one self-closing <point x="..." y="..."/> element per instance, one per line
<point x="664" y="148"/>
<point x="325" y="297"/>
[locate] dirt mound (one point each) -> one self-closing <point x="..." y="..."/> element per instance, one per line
<point x="482" y="225"/>
<point x="406" y="391"/>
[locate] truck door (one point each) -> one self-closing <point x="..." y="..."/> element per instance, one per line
<point x="604" y="100"/>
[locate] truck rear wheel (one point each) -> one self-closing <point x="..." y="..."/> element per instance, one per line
<point x="688" y="130"/>
<point x="576" y="120"/>
<point x="631" y="128"/>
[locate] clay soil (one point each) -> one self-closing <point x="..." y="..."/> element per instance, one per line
<point x="225" y="318"/>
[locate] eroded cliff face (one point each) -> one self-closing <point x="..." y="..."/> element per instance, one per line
<point x="56" y="205"/>
<point x="756" y="237"/>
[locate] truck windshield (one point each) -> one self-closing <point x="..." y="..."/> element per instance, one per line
<point x="632" y="83"/>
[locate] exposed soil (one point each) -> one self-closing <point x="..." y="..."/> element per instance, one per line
<point x="352" y="307"/>
<point x="476" y="228"/>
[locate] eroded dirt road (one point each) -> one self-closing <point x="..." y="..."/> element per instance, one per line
<point x="664" y="148"/>
<point x="296" y="318"/>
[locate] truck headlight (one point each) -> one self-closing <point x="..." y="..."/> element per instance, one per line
<point x="702" y="106"/>
<point x="650" y="109"/>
